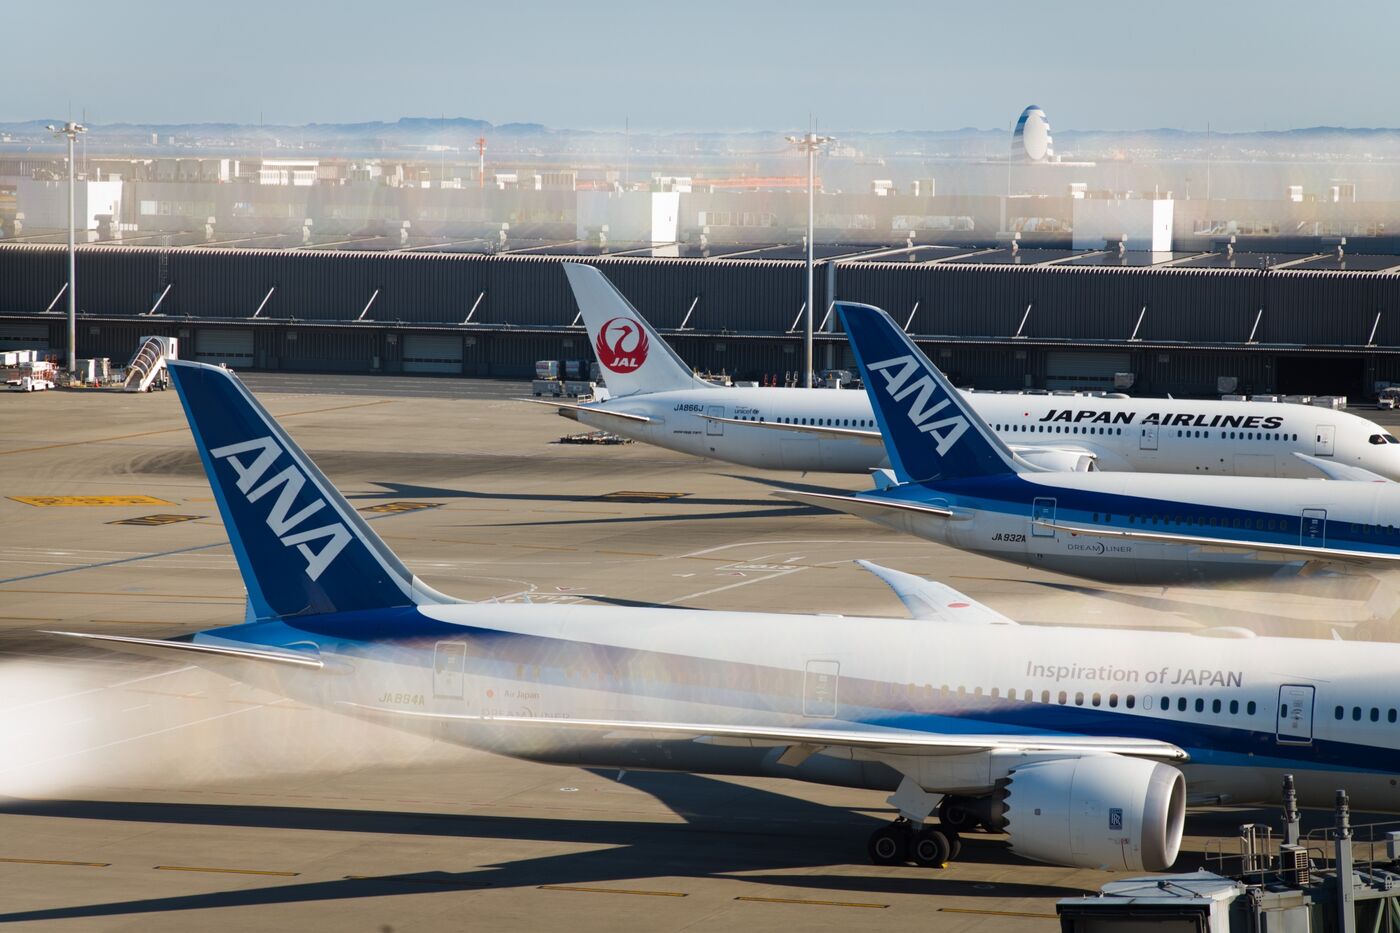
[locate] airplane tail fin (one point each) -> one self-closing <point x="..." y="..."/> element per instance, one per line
<point x="300" y="546"/>
<point x="633" y="357"/>
<point x="930" y="431"/>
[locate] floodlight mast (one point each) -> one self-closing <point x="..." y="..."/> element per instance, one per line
<point x="810" y="143"/>
<point x="70" y="131"/>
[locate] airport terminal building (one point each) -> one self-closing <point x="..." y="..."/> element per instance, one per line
<point x="1320" y="318"/>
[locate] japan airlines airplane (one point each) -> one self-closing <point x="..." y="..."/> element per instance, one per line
<point x="957" y="483"/>
<point x="1085" y="746"/>
<point x="657" y="399"/>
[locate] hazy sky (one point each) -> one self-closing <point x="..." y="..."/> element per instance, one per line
<point x="712" y="65"/>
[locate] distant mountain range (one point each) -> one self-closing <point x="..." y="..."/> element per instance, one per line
<point x="461" y="133"/>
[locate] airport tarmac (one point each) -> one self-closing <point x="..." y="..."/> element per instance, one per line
<point x="142" y="796"/>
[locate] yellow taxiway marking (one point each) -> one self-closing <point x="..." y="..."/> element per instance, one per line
<point x="53" y="861"/>
<point x="228" y="871"/>
<point x="794" y="900"/>
<point x="401" y="506"/>
<point x="45" y="501"/>
<point x="588" y="890"/>
<point x="996" y="913"/>
<point x="124" y="437"/>
<point x="163" y="518"/>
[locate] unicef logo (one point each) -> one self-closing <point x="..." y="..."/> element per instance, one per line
<point x="622" y="345"/>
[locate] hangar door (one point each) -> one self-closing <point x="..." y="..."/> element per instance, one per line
<point x="430" y="353"/>
<point x="1065" y="369"/>
<point x="24" y="336"/>
<point x="231" y="347"/>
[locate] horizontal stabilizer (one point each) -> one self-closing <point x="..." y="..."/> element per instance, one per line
<point x="871" y="739"/>
<point x="865" y="506"/>
<point x="590" y="409"/>
<point x="191" y="651"/>
<point x="928" y="599"/>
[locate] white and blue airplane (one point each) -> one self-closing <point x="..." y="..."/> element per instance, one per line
<point x="954" y="481"/>
<point x="1085" y="746"/>
<point x="655" y="398"/>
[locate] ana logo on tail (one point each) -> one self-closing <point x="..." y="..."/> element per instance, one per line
<point x="622" y="345"/>
<point x="944" y="431"/>
<point x="283" y="524"/>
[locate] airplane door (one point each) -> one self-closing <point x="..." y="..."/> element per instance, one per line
<point x="1324" y="436"/>
<point x="1043" y="510"/>
<point x="714" y="428"/>
<point x="819" y="686"/>
<point x="1295" y="715"/>
<point x="449" y="669"/>
<point x="1312" y="529"/>
<point x="1147" y="440"/>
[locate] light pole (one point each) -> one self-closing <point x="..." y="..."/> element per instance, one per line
<point x="810" y="142"/>
<point x="70" y="131"/>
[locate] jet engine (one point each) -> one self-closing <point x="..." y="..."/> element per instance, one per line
<point x="1096" y="811"/>
<point x="1058" y="459"/>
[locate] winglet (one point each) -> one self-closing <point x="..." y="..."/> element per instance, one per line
<point x="1341" y="471"/>
<point x="928" y="599"/>
<point x="931" y="433"/>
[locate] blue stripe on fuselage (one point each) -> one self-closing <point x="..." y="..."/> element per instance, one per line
<point x="1014" y="494"/>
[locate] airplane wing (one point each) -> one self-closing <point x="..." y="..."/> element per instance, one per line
<point x="570" y="407"/>
<point x="1311" y="552"/>
<point x="928" y="599"/>
<point x="861" y="434"/>
<point x="863" y="506"/>
<point x="160" y="648"/>
<point x="1341" y="471"/>
<point x="868" y="738"/>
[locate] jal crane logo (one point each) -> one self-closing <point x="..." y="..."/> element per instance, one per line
<point x="622" y="345"/>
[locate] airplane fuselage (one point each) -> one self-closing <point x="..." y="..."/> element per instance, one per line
<point x="1122" y="434"/>
<point x="1022" y="518"/>
<point x="1246" y="710"/>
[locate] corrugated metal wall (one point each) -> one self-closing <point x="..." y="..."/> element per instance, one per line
<point x="743" y="309"/>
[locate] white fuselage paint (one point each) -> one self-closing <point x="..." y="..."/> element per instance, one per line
<point x="1143" y="435"/>
<point x="1235" y="705"/>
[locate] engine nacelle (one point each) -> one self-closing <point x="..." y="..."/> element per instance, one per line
<point x="1058" y="460"/>
<point x="1096" y="811"/>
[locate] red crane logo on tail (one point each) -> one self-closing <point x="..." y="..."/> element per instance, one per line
<point x="622" y="345"/>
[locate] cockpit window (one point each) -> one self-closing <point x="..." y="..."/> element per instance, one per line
<point x="1391" y="439"/>
<point x="1377" y="439"/>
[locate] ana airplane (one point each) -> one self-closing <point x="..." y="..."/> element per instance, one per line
<point x="955" y="482"/>
<point x="657" y="399"/>
<point x="1085" y="746"/>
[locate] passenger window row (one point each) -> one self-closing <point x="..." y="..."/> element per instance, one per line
<point x="1054" y="429"/>
<point x="1243" y="435"/>
<point x="830" y="422"/>
<point x="1201" y="521"/>
<point x="1341" y="711"/>
<point x="1113" y="700"/>
<point x="1373" y="529"/>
